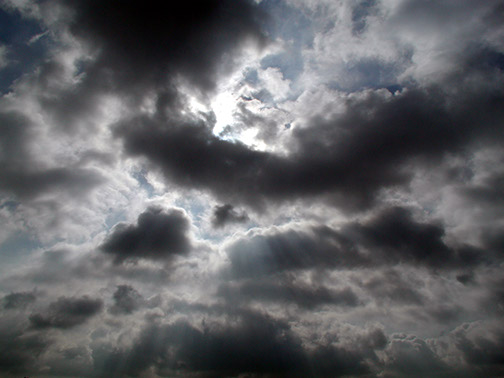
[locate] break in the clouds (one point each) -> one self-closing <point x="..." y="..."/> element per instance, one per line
<point x="265" y="188"/>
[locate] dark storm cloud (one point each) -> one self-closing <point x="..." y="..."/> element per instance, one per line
<point x="66" y="313"/>
<point x="145" y="43"/>
<point x="21" y="173"/>
<point x="249" y="343"/>
<point x="484" y="353"/>
<point x="157" y="235"/>
<point x="377" y="143"/>
<point x="141" y="49"/>
<point x="303" y="295"/>
<point x="126" y="300"/>
<point x="226" y="214"/>
<point x="256" y="344"/>
<point x="390" y="238"/>
<point x="18" y="300"/>
<point x="397" y="237"/>
<point x="19" y="351"/>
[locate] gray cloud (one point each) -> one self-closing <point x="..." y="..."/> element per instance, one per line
<point x="410" y="355"/>
<point x="66" y="313"/>
<point x="157" y="235"/>
<point x="303" y="295"/>
<point x="484" y="352"/>
<point x="22" y="175"/>
<point x="147" y="42"/>
<point x="256" y="344"/>
<point x="18" y="300"/>
<point x="226" y="214"/>
<point x="390" y="238"/>
<point x="320" y="247"/>
<point x="397" y="237"/>
<point x="372" y="146"/>
<point x="252" y="344"/>
<point x="126" y="300"/>
<point x="365" y="144"/>
<point x="391" y="286"/>
<point x="19" y="351"/>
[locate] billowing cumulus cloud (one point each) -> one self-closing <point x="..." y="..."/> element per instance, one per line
<point x="157" y="235"/>
<point x="251" y="188"/>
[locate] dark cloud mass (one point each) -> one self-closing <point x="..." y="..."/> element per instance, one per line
<point x="349" y="158"/>
<point x="147" y="43"/>
<point x="18" y="300"/>
<point x="251" y="188"/>
<point x="66" y="313"/>
<point x="254" y="345"/>
<point x="126" y="300"/>
<point x="392" y="237"/>
<point x="19" y="351"/>
<point x="157" y="235"/>
<point x="227" y="214"/>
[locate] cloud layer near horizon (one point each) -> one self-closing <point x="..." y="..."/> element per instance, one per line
<point x="264" y="188"/>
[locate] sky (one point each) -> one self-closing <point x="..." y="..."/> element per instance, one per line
<point x="239" y="188"/>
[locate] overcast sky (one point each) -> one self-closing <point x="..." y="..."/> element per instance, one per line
<point x="251" y="188"/>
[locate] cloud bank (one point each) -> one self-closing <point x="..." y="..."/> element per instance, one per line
<point x="251" y="188"/>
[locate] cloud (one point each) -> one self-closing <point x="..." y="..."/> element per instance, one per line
<point x="397" y="237"/>
<point x="246" y="343"/>
<point x="410" y="355"/>
<point x="157" y="235"/>
<point x="126" y="300"/>
<point x="390" y="285"/>
<point x="19" y="350"/>
<point x="483" y="351"/>
<point x="390" y="238"/>
<point x="147" y="44"/>
<point x="251" y="188"/>
<point x="226" y="214"/>
<point x="373" y="145"/>
<point x="22" y="175"/>
<point x="18" y="300"/>
<point x="287" y="291"/>
<point x="256" y="344"/>
<point x="3" y="57"/>
<point x="66" y="313"/>
<point x="291" y="250"/>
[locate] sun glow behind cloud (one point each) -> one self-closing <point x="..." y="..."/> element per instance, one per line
<point x="224" y="107"/>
